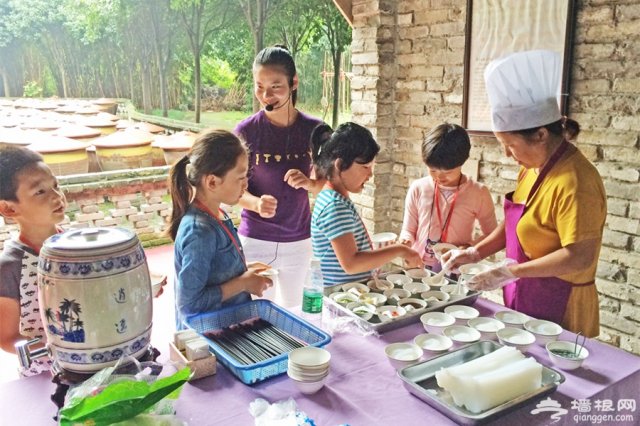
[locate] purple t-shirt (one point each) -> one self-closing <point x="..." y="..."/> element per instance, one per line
<point x="272" y="151"/>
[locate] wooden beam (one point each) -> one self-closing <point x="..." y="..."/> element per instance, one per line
<point x="346" y="8"/>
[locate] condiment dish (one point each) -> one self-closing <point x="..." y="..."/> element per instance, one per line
<point x="436" y="322"/>
<point x="417" y="273"/>
<point x="435" y="296"/>
<point x="355" y="288"/>
<point x="395" y="294"/>
<point x="375" y="299"/>
<point x="343" y="298"/>
<point x="398" y="280"/>
<point x="566" y="355"/>
<point x="416" y="287"/>
<point x="455" y="290"/>
<point x="362" y="309"/>
<point x="512" y="318"/>
<point x="544" y="331"/>
<point x="487" y="326"/>
<point x="412" y="303"/>
<point x="402" y="354"/>
<point x="437" y="280"/>
<point x="388" y="312"/>
<point x="441" y="248"/>
<point x="434" y="343"/>
<point x="462" y="313"/>
<point x="516" y="337"/>
<point x="379" y="284"/>
<point x="461" y="334"/>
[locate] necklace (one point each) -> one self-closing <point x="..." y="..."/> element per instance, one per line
<point x="444" y="225"/>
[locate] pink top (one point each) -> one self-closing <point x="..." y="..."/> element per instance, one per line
<point x="473" y="203"/>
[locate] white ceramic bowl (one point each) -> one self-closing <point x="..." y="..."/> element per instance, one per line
<point x="395" y="294"/>
<point x="383" y="239"/>
<point x="301" y="374"/>
<point x="565" y="362"/>
<point x="375" y="299"/>
<point x="544" y="331"/>
<point x="417" y="274"/>
<point x="512" y="318"/>
<point x="471" y="269"/>
<point x="487" y="326"/>
<point x="462" y="313"/>
<point x="435" y="281"/>
<point x="309" y="388"/>
<point x="434" y="297"/>
<point x="379" y="285"/>
<point x="355" y="288"/>
<point x="310" y="357"/>
<point x="433" y="343"/>
<point x="436" y="322"/>
<point x="398" y="280"/>
<point x="363" y="310"/>
<point x="402" y="354"/>
<point x="455" y="290"/>
<point x="516" y="337"/>
<point x="441" y="248"/>
<point x="343" y="298"/>
<point x="412" y="304"/>
<point x="388" y="312"/>
<point x="415" y="287"/>
<point x="461" y="334"/>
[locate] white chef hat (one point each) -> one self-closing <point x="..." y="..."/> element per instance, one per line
<point x="524" y="90"/>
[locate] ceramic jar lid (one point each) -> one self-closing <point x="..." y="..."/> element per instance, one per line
<point x="50" y="144"/>
<point x="77" y="131"/>
<point x="87" y="242"/>
<point x="124" y="138"/>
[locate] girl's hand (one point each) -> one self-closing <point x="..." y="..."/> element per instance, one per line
<point x="412" y="259"/>
<point x="296" y="179"/>
<point x="255" y="283"/>
<point x="267" y="205"/>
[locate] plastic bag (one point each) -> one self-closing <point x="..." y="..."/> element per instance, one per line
<point x="119" y="393"/>
<point x="334" y="322"/>
<point x="281" y="413"/>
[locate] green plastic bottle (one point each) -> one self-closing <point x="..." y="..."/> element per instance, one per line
<point x="313" y="290"/>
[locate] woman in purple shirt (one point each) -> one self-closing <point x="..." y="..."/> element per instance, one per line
<point x="275" y="227"/>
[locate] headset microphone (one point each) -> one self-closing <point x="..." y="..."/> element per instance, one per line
<point x="269" y="107"/>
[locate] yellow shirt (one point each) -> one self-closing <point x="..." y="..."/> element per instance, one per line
<point x="569" y="206"/>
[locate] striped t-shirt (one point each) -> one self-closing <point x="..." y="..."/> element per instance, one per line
<point x="334" y="216"/>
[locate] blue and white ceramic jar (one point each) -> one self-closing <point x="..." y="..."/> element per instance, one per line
<point x="95" y="297"/>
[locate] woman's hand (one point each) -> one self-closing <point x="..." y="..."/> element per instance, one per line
<point x="496" y="277"/>
<point x="454" y="258"/>
<point x="255" y="283"/>
<point x="296" y="179"/>
<point x="266" y="206"/>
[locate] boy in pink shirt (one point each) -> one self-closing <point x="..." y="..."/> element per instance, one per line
<point x="444" y="206"/>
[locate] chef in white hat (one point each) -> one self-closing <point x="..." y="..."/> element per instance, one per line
<point x="554" y="219"/>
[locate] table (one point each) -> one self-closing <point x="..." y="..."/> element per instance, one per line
<point x="362" y="388"/>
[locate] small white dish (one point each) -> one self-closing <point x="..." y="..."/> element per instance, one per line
<point x="512" y="318"/>
<point x="544" y="331"/>
<point x="387" y="312"/>
<point x="516" y="337"/>
<point x="309" y="388"/>
<point x="436" y="322"/>
<point x="395" y="294"/>
<point x="461" y="334"/>
<point x="455" y="290"/>
<point x="310" y="357"/>
<point x="433" y="343"/>
<point x="379" y="285"/>
<point x="435" y="296"/>
<point x="412" y="304"/>
<point x="362" y="310"/>
<point x="343" y="298"/>
<point x="355" y="288"/>
<point x="471" y="269"/>
<point x="383" y="239"/>
<point x="402" y="354"/>
<point x="487" y="326"/>
<point x="441" y="248"/>
<point x="415" y="287"/>
<point x="566" y="355"/>
<point x="398" y="280"/>
<point x="435" y="281"/>
<point x="417" y="274"/>
<point x="462" y="313"/>
<point x="375" y="299"/>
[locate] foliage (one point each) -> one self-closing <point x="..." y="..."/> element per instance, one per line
<point x="32" y="90"/>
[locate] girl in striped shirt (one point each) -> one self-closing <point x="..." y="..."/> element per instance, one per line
<point x="345" y="158"/>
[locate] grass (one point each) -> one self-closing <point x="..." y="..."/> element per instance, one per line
<point x="229" y="119"/>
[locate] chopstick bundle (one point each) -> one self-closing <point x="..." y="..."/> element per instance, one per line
<point x="249" y="343"/>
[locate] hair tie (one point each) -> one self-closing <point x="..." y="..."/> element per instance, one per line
<point x="186" y="159"/>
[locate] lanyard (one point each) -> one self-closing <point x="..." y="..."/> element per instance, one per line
<point x="199" y="205"/>
<point x="32" y="246"/>
<point x="436" y="202"/>
<point x="331" y="187"/>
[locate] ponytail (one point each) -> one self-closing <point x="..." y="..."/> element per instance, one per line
<point x="571" y="128"/>
<point x="181" y="193"/>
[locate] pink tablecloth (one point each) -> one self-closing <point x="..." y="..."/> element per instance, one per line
<point x="363" y="389"/>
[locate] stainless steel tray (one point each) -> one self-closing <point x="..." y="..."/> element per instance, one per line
<point x="411" y="317"/>
<point x="420" y="380"/>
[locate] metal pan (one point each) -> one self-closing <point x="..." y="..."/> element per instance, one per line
<point x="419" y="379"/>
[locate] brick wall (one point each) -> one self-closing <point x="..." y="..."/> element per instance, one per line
<point x="137" y="200"/>
<point x="408" y="63"/>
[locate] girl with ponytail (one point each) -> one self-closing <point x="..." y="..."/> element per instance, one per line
<point x="211" y="271"/>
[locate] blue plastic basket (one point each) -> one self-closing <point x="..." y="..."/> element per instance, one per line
<point x="268" y="311"/>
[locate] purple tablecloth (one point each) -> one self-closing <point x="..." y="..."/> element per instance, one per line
<point x="363" y="389"/>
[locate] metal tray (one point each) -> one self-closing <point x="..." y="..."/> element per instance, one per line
<point x="420" y="380"/>
<point x="411" y="317"/>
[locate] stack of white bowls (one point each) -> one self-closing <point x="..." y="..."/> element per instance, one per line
<point x="308" y="367"/>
